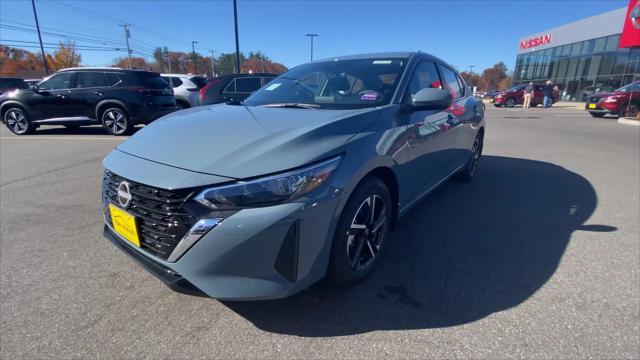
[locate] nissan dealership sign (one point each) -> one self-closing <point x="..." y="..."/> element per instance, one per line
<point x="536" y="41"/>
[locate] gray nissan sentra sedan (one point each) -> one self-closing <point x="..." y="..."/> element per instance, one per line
<point x="304" y="179"/>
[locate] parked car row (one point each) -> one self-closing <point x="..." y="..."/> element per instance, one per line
<point x="118" y="99"/>
<point x="515" y="95"/>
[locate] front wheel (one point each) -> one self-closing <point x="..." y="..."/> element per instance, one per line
<point x="629" y="110"/>
<point x="511" y="102"/>
<point x="362" y="230"/>
<point x="467" y="173"/>
<point x="116" y="121"/>
<point x="17" y="121"/>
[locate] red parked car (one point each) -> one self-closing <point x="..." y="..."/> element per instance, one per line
<point x="624" y="102"/>
<point x="515" y="95"/>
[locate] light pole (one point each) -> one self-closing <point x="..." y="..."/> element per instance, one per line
<point x="126" y="39"/>
<point x="471" y="68"/>
<point x="213" y="65"/>
<point x="312" y="36"/>
<point x="235" y="22"/>
<point x="193" y="56"/>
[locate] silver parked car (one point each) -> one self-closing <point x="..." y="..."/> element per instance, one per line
<point x="304" y="179"/>
<point x="186" y="88"/>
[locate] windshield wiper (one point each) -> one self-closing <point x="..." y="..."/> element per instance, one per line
<point x="292" y="105"/>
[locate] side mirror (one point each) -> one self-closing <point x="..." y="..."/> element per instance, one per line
<point x="35" y="88"/>
<point x="431" y="99"/>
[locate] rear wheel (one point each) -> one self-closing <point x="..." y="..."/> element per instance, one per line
<point x="467" y="173"/>
<point x="361" y="232"/>
<point x="17" y="121"/>
<point x="116" y="121"/>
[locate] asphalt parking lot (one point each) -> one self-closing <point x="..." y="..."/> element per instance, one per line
<point x="538" y="257"/>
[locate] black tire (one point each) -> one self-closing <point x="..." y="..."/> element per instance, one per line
<point x="116" y="121"/>
<point x="596" y="115"/>
<point x="497" y="105"/>
<point x="182" y="105"/>
<point x="629" y="111"/>
<point x="349" y="263"/>
<point x="470" y="169"/>
<point x="18" y="122"/>
<point x="510" y="102"/>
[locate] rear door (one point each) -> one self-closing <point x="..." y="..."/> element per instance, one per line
<point x="90" y="88"/>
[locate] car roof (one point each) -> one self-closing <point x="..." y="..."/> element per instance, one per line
<point x="118" y="69"/>
<point x="181" y="75"/>
<point x="396" y="54"/>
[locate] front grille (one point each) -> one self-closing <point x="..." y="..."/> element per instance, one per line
<point x="161" y="219"/>
<point x="594" y="99"/>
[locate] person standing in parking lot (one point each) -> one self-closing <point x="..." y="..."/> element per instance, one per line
<point x="528" y="93"/>
<point x="547" y="91"/>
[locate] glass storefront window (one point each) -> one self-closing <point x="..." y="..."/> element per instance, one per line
<point x="587" y="47"/>
<point x="606" y="67"/>
<point x="612" y="43"/>
<point x="599" y="45"/>
<point x="594" y="67"/>
<point x="566" y="50"/>
<point x="575" y="49"/>
<point x="571" y="70"/>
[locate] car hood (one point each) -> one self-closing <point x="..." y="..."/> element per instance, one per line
<point x="241" y="142"/>
<point x="605" y="94"/>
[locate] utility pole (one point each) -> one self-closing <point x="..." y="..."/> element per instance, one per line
<point x="44" y="57"/>
<point x="235" y="22"/>
<point x="126" y="38"/>
<point x="312" y="36"/>
<point x="168" y="60"/>
<point x="213" y="64"/>
<point x="193" y="56"/>
<point x="471" y="68"/>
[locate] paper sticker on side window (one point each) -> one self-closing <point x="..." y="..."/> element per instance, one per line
<point x="272" y="86"/>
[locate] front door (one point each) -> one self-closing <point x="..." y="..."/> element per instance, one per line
<point x="52" y="98"/>
<point x="88" y="91"/>
<point x="429" y="137"/>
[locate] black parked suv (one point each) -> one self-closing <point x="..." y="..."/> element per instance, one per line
<point x="116" y="98"/>
<point x="236" y="87"/>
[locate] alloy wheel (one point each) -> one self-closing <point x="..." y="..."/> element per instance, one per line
<point x="16" y="121"/>
<point x="115" y="120"/>
<point x="510" y="102"/>
<point x="476" y="152"/>
<point x="365" y="235"/>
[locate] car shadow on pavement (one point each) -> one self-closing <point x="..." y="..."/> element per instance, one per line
<point x="465" y="252"/>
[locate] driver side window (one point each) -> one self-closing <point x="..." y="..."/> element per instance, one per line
<point x="57" y="82"/>
<point x="424" y="77"/>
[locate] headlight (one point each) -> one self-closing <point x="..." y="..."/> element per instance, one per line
<point x="269" y="191"/>
<point x="611" y="99"/>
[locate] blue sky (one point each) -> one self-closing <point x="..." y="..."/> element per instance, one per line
<point x="463" y="33"/>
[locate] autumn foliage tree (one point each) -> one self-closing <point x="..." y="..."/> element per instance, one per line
<point x="65" y="57"/>
<point x="18" y="61"/>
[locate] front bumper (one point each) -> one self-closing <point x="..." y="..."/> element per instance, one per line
<point x="251" y="255"/>
<point x="600" y="108"/>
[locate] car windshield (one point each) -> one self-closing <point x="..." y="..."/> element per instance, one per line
<point x="339" y="84"/>
<point x="630" y="87"/>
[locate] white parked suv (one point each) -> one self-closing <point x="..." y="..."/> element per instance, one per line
<point x="186" y="88"/>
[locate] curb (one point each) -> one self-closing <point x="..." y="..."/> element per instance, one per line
<point x="629" y="121"/>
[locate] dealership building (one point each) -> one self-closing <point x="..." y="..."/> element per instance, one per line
<point x="600" y="53"/>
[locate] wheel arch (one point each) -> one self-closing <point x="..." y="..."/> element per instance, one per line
<point x="9" y="104"/>
<point x="102" y="105"/>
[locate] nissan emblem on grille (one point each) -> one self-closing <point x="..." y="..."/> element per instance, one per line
<point x="124" y="194"/>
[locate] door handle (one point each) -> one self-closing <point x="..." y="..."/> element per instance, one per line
<point x="99" y="93"/>
<point x="62" y="96"/>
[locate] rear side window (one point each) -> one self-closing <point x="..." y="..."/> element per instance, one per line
<point x="247" y="85"/>
<point x="451" y="80"/>
<point x="231" y="87"/>
<point x="153" y="81"/>
<point x="57" y="81"/>
<point x="86" y="79"/>
<point x="175" y="81"/>
<point x="111" y="79"/>
<point x="199" y="81"/>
